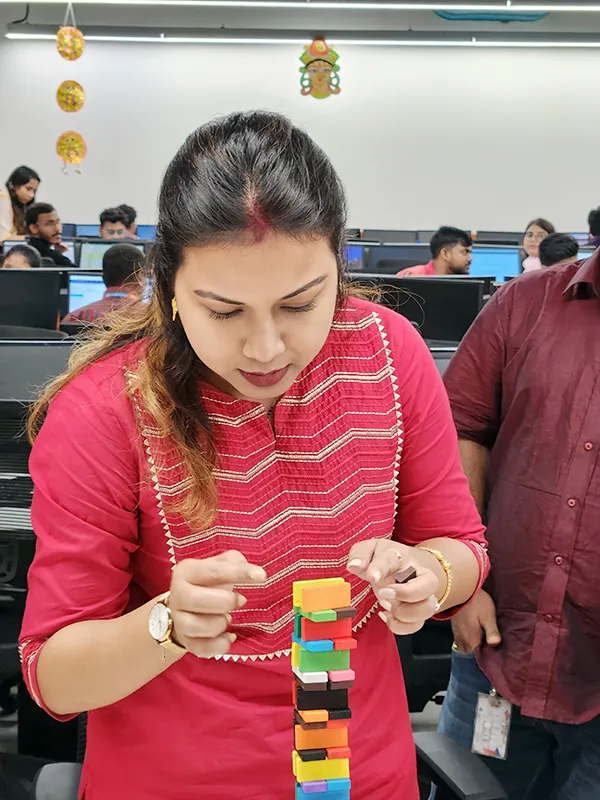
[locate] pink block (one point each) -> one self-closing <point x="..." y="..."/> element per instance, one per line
<point x="341" y="675"/>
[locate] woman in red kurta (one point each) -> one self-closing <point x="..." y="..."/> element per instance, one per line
<point x="332" y="437"/>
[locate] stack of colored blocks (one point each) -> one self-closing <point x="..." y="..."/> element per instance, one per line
<point x="321" y="646"/>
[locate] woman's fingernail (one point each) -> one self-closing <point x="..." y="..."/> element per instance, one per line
<point x="241" y="600"/>
<point x="382" y="616"/>
<point x="385" y="604"/>
<point x="356" y="562"/>
<point x="232" y="637"/>
<point x="229" y="619"/>
<point x="377" y="576"/>
<point x="389" y="594"/>
<point x="257" y="574"/>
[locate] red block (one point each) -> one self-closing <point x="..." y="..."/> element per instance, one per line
<point x="338" y="629"/>
<point x="345" y="644"/>
<point x="338" y="752"/>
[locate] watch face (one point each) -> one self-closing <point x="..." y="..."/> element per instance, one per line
<point x="159" y="622"/>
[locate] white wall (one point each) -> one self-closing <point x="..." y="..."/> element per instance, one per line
<point x="422" y="137"/>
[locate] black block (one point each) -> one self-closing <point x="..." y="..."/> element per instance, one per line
<point x="329" y="699"/>
<point x="342" y="713"/>
<point x="312" y="755"/>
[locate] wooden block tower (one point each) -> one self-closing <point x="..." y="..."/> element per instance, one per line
<point x="321" y="646"/>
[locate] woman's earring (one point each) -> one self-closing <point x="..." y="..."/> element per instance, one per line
<point x="174" y="309"/>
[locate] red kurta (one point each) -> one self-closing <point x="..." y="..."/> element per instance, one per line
<point x="363" y="446"/>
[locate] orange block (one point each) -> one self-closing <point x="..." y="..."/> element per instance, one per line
<point x="338" y="752"/>
<point x="319" y="715"/>
<point x="319" y="739"/>
<point x="345" y="644"/>
<point x="322" y="598"/>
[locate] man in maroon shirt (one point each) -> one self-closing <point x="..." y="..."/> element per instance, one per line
<point x="121" y="272"/>
<point x="525" y="392"/>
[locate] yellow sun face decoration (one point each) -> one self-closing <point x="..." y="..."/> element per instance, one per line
<point x="70" y="96"/>
<point x="70" y="43"/>
<point x="71" y="149"/>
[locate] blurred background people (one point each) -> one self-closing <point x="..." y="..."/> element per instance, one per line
<point x="113" y="224"/>
<point x="535" y="232"/>
<point x="22" y="256"/>
<point x="19" y="194"/>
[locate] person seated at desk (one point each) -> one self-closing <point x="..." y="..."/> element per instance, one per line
<point x="594" y="228"/>
<point x="452" y="251"/>
<point x="558" y="249"/>
<point x="20" y="193"/>
<point x="113" y="224"/>
<point x="121" y="267"/>
<point x="130" y="223"/>
<point x="535" y="233"/>
<point x="21" y="256"/>
<point x="45" y="233"/>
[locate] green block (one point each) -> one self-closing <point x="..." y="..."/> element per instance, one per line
<point x="323" y="662"/>
<point x="298" y="625"/>
<point x="320" y="616"/>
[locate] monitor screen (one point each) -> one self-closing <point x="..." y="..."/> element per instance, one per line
<point x="582" y="238"/>
<point x="88" y="230"/>
<point x="583" y="255"/>
<point x="147" y="232"/>
<point x="499" y="261"/>
<point x="69" y="230"/>
<point x="354" y="255"/>
<point x="84" y="289"/>
<point x="92" y="253"/>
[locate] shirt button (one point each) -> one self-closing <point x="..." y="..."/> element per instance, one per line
<point x="588" y="446"/>
<point x="571" y="502"/>
<point x="548" y="618"/>
<point x="558" y="560"/>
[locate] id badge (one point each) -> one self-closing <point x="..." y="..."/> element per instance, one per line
<point x="492" y="726"/>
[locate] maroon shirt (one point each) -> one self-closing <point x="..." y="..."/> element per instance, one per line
<point x="114" y="298"/>
<point x="525" y="382"/>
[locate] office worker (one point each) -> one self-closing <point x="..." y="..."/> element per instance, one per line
<point x="19" y="194"/>
<point x="45" y="233"/>
<point x="523" y="387"/>
<point x="113" y="224"/>
<point x="535" y="232"/>
<point x="594" y="228"/>
<point x="244" y="430"/>
<point x="558" y="249"/>
<point x="121" y="271"/>
<point x="451" y="251"/>
<point x="130" y="221"/>
<point x="22" y="256"/>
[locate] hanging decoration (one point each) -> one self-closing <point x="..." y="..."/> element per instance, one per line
<point x="70" y="96"/>
<point x="70" y="42"/>
<point x="320" y="73"/>
<point x="71" y="149"/>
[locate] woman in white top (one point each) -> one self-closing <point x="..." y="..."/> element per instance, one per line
<point x="535" y="232"/>
<point x="19" y="194"/>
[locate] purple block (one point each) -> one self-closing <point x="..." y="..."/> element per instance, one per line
<point x="313" y="787"/>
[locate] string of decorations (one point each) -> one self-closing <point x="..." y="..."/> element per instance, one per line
<point x="70" y="95"/>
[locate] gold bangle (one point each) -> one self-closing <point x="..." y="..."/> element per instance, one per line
<point x="445" y="564"/>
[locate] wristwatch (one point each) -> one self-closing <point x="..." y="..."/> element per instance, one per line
<point x="160" y="625"/>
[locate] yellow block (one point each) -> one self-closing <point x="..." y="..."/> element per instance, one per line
<point x="295" y="654"/>
<point x="300" y="585"/>
<point x="328" y="770"/>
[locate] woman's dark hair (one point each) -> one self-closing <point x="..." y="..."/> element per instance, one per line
<point x="19" y="177"/>
<point x="236" y="178"/>
<point x="30" y="253"/>
<point x="543" y="224"/>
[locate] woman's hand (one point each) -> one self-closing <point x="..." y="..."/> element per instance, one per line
<point x="406" y="606"/>
<point x="202" y="599"/>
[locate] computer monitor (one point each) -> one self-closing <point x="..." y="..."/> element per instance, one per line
<point x="27" y="365"/>
<point x="583" y="255"/>
<point x="85" y="288"/>
<point x="30" y="297"/>
<point x="582" y="238"/>
<point x="92" y="253"/>
<point x="69" y="230"/>
<point x="409" y="254"/>
<point x="69" y="252"/>
<point x="355" y="254"/>
<point x="498" y="261"/>
<point x="147" y="232"/>
<point x="442" y="357"/>
<point x="441" y="309"/>
<point x="514" y="238"/>
<point x="87" y="231"/>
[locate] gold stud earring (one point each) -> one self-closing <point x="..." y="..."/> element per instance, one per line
<point x="174" y="309"/>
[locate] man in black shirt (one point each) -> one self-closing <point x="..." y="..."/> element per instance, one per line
<point x="45" y="233"/>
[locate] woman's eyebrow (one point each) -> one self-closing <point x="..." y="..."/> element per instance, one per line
<point x="220" y="299"/>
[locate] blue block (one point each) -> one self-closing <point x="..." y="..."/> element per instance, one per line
<point x="317" y="646"/>
<point x="338" y="785"/>
<point x="328" y="795"/>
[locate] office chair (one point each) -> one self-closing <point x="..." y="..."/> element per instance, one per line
<point x="426" y="660"/>
<point x="19" y="332"/>
<point x="457" y="773"/>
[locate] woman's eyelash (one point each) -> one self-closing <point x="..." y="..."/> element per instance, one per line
<point x="292" y="309"/>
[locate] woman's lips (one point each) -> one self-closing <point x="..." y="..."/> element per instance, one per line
<point x="264" y="378"/>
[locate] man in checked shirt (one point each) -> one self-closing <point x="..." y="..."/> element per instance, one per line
<point x="525" y="392"/>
